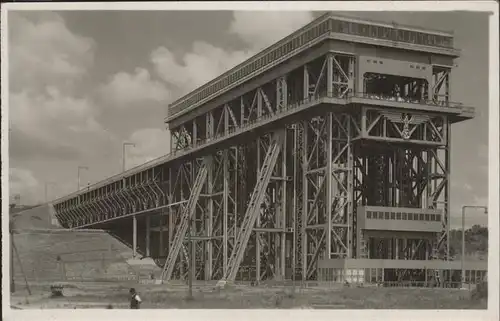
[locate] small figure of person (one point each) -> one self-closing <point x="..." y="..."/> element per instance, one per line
<point x="135" y="300"/>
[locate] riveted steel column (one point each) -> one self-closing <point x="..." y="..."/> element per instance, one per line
<point x="134" y="236"/>
<point x="148" y="235"/>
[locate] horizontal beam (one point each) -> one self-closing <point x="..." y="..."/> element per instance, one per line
<point x="398" y="140"/>
<point x="124" y="216"/>
<point x="287" y="178"/>
<point x="202" y="238"/>
<point x="272" y="230"/>
<point x="188" y="152"/>
<point x="263" y="124"/>
<point x="55" y="231"/>
<point x="316" y="226"/>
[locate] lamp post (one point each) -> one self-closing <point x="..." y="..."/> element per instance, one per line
<point x="79" y="169"/>
<point x="125" y="144"/>
<point x="463" y="234"/>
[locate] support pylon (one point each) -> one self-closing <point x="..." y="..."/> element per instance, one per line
<point x="253" y="208"/>
<point x="187" y="214"/>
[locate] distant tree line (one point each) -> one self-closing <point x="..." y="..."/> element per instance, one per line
<point x="476" y="241"/>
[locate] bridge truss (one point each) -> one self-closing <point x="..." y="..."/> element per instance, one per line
<point x="270" y="181"/>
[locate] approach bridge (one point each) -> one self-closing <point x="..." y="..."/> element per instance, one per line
<point x="273" y="162"/>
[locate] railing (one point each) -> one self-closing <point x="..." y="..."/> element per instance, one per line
<point x="408" y="100"/>
<point x="468" y="109"/>
<point x="249" y="126"/>
<point x="421" y="284"/>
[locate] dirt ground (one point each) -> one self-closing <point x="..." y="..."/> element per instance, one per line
<point x="113" y="295"/>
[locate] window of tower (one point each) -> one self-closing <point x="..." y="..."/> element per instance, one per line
<point x="395" y="88"/>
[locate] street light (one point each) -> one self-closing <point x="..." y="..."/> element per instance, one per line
<point x="79" y="169"/>
<point x="125" y="144"/>
<point x="463" y="234"/>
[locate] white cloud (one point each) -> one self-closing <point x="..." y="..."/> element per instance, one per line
<point x="124" y="88"/>
<point x="205" y="62"/>
<point x="150" y="143"/>
<point x="197" y="67"/>
<point x="33" y="113"/>
<point x="22" y="182"/>
<point x="46" y="63"/>
<point x="43" y="52"/>
<point x="480" y="201"/>
<point x="54" y="119"/>
<point x="54" y="122"/>
<point x="263" y="28"/>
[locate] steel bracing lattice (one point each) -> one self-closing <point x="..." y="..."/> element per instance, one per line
<point x="270" y="181"/>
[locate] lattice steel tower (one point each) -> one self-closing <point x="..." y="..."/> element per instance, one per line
<point x="330" y="148"/>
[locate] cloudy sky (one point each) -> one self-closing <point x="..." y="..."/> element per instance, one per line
<point x="82" y="82"/>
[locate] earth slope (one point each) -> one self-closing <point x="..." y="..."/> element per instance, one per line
<point x="48" y="253"/>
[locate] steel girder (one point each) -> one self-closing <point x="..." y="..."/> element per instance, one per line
<point x="218" y="215"/>
<point x="440" y="86"/>
<point x="257" y="205"/>
<point x="187" y="220"/>
<point x="313" y="80"/>
<point x="327" y="190"/>
<point x="325" y="204"/>
<point x="318" y="181"/>
<point x="140" y="192"/>
<point x="210" y="230"/>
<point x="298" y="202"/>
<point x="402" y="160"/>
<point x="273" y="222"/>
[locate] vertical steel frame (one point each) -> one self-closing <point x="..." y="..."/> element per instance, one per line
<point x="325" y="169"/>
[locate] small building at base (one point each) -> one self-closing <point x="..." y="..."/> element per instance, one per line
<point x="401" y="272"/>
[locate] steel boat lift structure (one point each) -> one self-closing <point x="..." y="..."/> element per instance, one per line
<point x="324" y="157"/>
